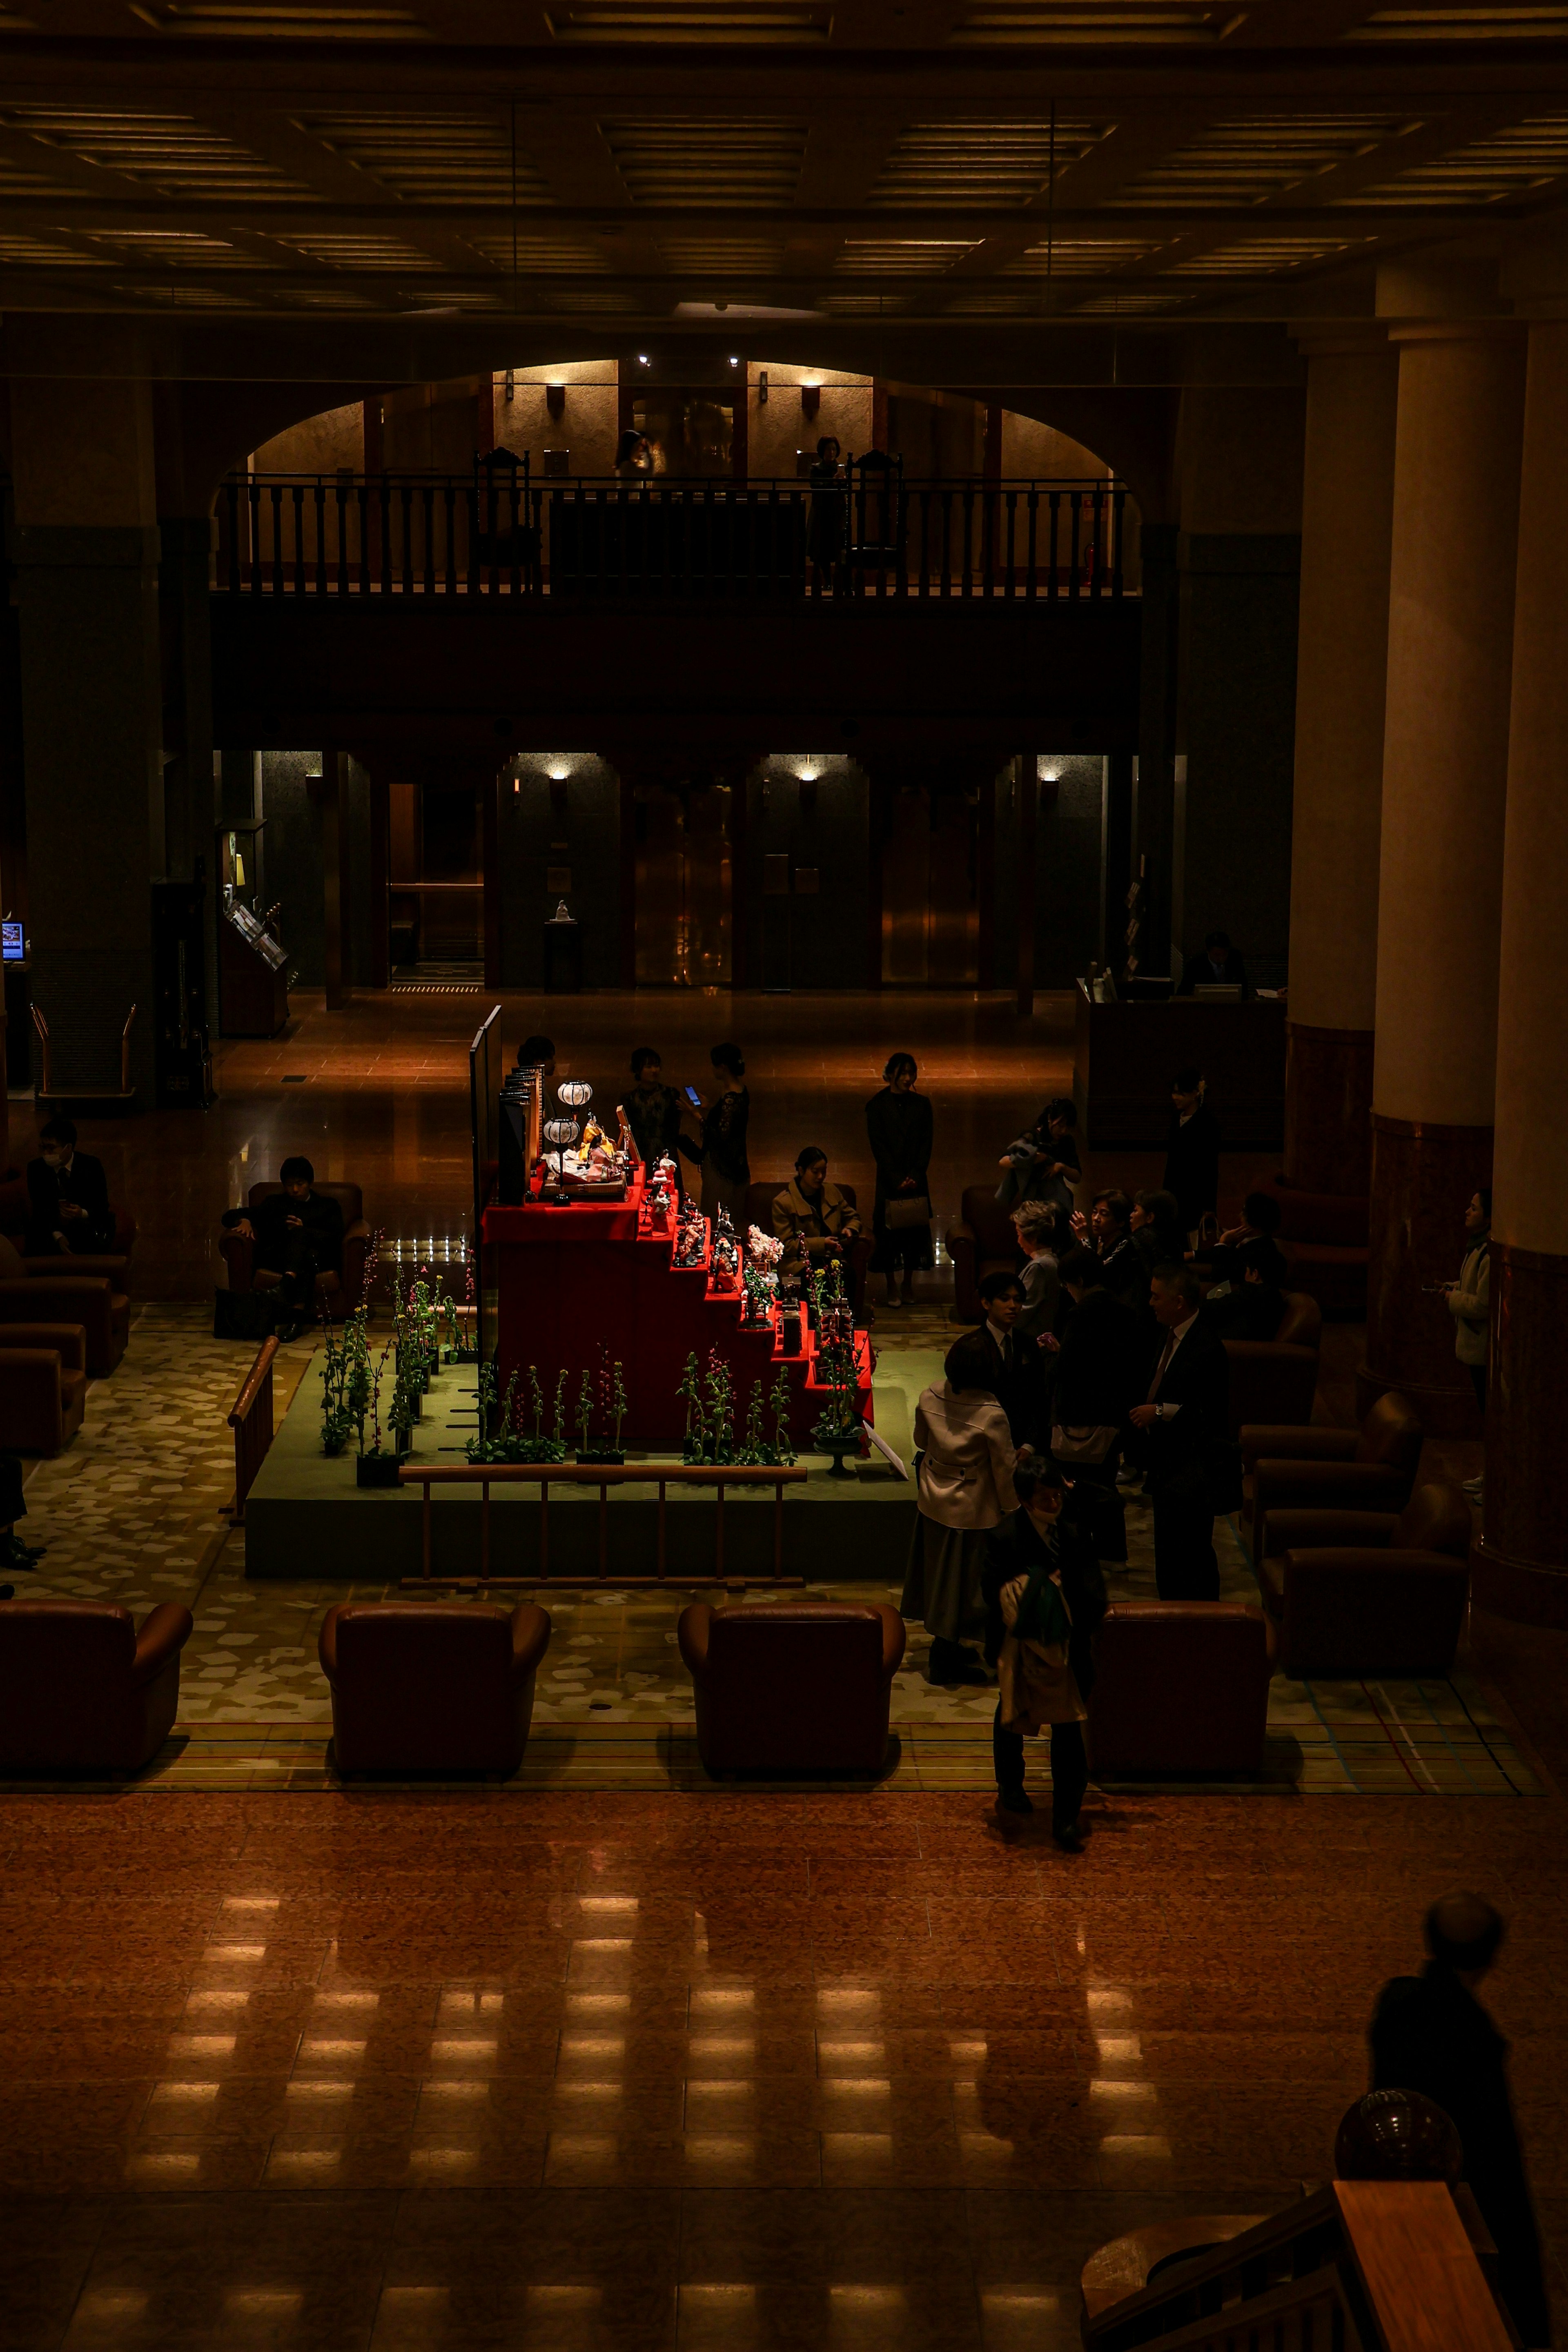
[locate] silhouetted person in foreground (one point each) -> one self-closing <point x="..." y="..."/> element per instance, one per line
<point x="1429" y="2034"/>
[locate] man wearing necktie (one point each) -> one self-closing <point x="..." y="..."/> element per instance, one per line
<point x="1015" y="1362"/>
<point x="1184" y="1423"/>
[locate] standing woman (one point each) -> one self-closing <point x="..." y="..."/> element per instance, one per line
<point x="1192" y="1154"/>
<point x="899" y="1123"/>
<point x="726" y="1171"/>
<point x="964" y="1489"/>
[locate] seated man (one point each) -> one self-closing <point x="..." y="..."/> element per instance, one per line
<point x="813" y="1220"/>
<point x="1219" y="966"/>
<point x="68" y="1198"/>
<point x="299" y="1233"/>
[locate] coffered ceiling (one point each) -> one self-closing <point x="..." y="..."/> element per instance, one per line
<point x="643" y="160"/>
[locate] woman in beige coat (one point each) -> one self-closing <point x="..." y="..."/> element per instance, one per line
<point x="965" y="1489"/>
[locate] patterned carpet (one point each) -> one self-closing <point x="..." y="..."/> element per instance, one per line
<point x="132" y="1513"/>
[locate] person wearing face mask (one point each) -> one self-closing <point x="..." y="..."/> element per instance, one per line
<point x="68" y="1198"/>
<point x="1045" y="1598"/>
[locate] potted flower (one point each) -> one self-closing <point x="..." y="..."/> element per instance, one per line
<point x="378" y="1466"/>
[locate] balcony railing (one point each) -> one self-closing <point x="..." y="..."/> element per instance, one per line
<point x="499" y="533"/>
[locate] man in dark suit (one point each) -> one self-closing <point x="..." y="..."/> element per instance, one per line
<point x="68" y="1198"/>
<point x="1099" y="1377"/>
<point x="1017" y="1367"/>
<point x="1429" y="2034"/>
<point x="1219" y="966"/>
<point x="1184" y="1422"/>
<point x="299" y="1233"/>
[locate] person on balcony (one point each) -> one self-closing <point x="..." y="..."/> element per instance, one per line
<point x="634" y="456"/>
<point x="898" y="1124"/>
<point x="813" y="1220"/>
<point x="68" y="1198"/>
<point x="825" y="525"/>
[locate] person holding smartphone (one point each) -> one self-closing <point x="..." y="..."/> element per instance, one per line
<point x="722" y="1152"/>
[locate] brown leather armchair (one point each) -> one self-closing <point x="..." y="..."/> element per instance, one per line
<point x="422" y="1688"/>
<point x="758" y="1209"/>
<point x="791" y="1687"/>
<point x="43" y="1385"/>
<point x="984" y="1241"/>
<point x="345" y="1293"/>
<point x="1275" y="1381"/>
<point x="1371" y="1468"/>
<point x="1180" y="1686"/>
<point x="1324" y="1238"/>
<point x="1369" y="1592"/>
<point x="15" y="1211"/>
<point x="88" y="1291"/>
<point x="81" y="1690"/>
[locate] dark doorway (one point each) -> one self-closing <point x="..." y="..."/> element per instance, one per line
<point x="931" y="901"/>
<point x="435" y="876"/>
<point x="683" y="885"/>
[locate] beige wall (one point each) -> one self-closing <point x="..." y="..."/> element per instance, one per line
<point x="1032" y="450"/>
<point x="781" y="427"/>
<point x="586" y="426"/>
<point x="319" y="445"/>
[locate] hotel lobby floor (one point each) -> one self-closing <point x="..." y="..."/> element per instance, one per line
<point x="604" y="2072"/>
<point x="378" y="1092"/>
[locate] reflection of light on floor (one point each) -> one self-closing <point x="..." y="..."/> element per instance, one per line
<point x="862" y="2086"/>
<point x="719" y="2293"/>
<point x="326" y="2087"/>
<point x="867" y="2298"/>
<point x="598" y="2004"/>
<point x="456" y="2089"/>
<point x="622" y="1903"/>
<point x="272" y="2302"/>
<point x="726" y="2045"/>
<point x="1147" y="2143"/>
<point x="593" y="2045"/>
<point x="1120" y="2091"/>
<point x="1014" y="2299"/>
<point x="837" y="2002"/>
<point x="565" y="2298"/>
<point x="472" y="2004"/>
<point x="152" y="2169"/>
<point x="601" y="1944"/>
<point x="218" y="1997"/>
<point x="870" y="2051"/>
<point x="347" y="2000"/>
<point x="232" y="1955"/>
<point x="469" y="2046"/>
<point x="321" y="2048"/>
<point x="185" y="2090"/>
<point x="1122" y="2096"/>
<point x="724" y="1996"/>
<point x="966" y="2052"/>
<point x="251" y="1901"/>
<point x="589" y="2090"/>
<point x="201" y="2045"/>
<point x="1115" y="2049"/>
<point x="311" y="2161"/>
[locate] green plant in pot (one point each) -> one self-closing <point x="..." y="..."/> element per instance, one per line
<point x="378" y="1464"/>
<point x="337" y="1413"/>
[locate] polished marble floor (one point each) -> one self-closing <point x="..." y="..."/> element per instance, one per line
<point x="613" y="2071"/>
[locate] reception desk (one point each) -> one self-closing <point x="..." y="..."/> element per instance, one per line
<point x="1126" y="1056"/>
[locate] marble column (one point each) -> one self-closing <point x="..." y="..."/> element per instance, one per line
<point x="1444" y="769"/>
<point x="1520" y="1568"/>
<point x="1347" y="522"/>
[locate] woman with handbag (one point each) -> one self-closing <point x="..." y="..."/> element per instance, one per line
<point x="1044" y="1599"/>
<point x="964" y="1488"/>
<point x="899" y="1123"/>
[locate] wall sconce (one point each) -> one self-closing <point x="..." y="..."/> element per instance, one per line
<point x="762" y="388"/>
<point x="555" y="398"/>
<point x="510" y="392"/>
<point x="558" y="772"/>
<point x="810" y="399"/>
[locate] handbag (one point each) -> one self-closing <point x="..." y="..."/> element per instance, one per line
<point x="1082" y="1444"/>
<point x="905" y="1210"/>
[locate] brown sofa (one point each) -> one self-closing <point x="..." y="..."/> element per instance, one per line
<point x="421" y="1687"/>
<point x="346" y="1292"/>
<point x="15" y="1213"/>
<point x="1369" y="1592"/>
<point x="1371" y="1468"/>
<point x="88" y="1291"/>
<point x="758" y="1209"/>
<point x="81" y="1690"/>
<point x="43" y="1385"/>
<point x="984" y="1241"/>
<point x="1181" y="1687"/>
<point x="792" y="1687"/>
<point x="1275" y="1381"/>
<point x="1324" y="1238"/>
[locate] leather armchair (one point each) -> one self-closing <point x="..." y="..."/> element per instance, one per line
<point x="238" y="1251"/>
<point x="421" y="1687"/>
<point x="43" y="1385"/>
<point x="1357" y="1592"/>
<point x="1275" y="1381"/>
<point x="16" y="1208"/>
<point x="758" y="1209"/>
<point x="792" y="1687"/>
<point x="1371" y="1468"/>
<point x="1180" y="1686"/>
<point x="1324" y="1238"/>
<point x="69" y="1290"/>
<point x="984" y="1241"/>
<point x="81" y="1690"/>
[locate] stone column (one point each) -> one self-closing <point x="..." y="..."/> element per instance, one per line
<point x="1153" y="794"/>
<point x="1347" y="522"/>
<point x="1445" y="766"/>
<point x="87" y="595"/>
<point x="1522" y="1564"/>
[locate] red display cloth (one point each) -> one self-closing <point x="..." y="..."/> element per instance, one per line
<point x="576" y="1282"/>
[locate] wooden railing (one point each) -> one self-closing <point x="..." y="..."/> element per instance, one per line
<point x="1361" y="2266"/>
<point x="251" y="1422"/>
<point x="498" y="532"/>
<point x="545" y="1475"/>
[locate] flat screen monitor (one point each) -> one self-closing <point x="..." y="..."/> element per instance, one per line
<point x="12" y="943"/>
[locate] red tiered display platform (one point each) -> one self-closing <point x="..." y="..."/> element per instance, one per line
<point x="570" y="1281"/>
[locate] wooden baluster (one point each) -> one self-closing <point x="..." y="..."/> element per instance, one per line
<point x="278" y="539"/>
<point x="1056" y="497"/>
<point x="1074" y="583"/>
<point x="1012" y="497"/>
<point x="405" y="500"/>
<point x="384" y="505"/>
<point x="1118" y="526"/>
<point x="341" y="493"/>
<point x="471" y="517"/>
<point x="320" y="507"/>
<point x="361" y="507"/>
<point x="297" y="498"/>
<point x="449" y="521"/>
<point x="428" y="502"/>
<point x="1034" y="515"/>
<point x="253" y="509"/>
<point x="946" y="497"/>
